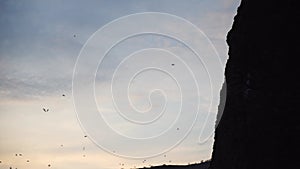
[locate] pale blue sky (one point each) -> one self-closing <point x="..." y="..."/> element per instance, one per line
<point x="38" y="52"/>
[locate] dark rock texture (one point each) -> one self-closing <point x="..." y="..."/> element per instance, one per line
<point x="259" y="128"/>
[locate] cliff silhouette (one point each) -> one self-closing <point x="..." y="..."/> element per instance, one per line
<point x="202" y="165"/>
<point x="259" y="128"/>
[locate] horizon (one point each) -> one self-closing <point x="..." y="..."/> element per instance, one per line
<point x="44" y="120"/>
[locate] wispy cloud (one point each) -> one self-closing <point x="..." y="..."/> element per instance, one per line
<point x="39" y="45"/>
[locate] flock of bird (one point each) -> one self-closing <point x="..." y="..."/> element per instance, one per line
<point x="28" y="161"/>
<point x="83" y="148"/>
<point x="21" y="155"/>
<point x="85" y="136"/>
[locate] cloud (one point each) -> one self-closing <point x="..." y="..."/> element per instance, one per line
<point x="38" y="52"/>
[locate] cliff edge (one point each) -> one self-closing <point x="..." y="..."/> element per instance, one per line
<point x="259" y="128"/>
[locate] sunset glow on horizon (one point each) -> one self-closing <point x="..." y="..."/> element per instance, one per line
<point x="40" y="123"/>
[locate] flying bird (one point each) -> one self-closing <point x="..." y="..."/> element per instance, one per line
<point x="173" y="64"/>
<point x="63" y="95"/>
<point x="45" y="110"/>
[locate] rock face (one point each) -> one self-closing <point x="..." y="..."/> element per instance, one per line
<point x="259" y="128"/>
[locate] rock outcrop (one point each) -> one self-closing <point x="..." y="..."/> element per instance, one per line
<point x="259" y="128"/>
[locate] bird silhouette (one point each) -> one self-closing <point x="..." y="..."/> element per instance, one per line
<point x="173" y="64"/>
<point x="45" y="110"/>
<point x="63" y="95"/>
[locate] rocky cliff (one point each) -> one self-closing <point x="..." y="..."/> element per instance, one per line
<point x="259" y="128"/>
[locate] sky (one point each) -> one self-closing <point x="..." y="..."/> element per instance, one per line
<point x="129" y="83"/>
